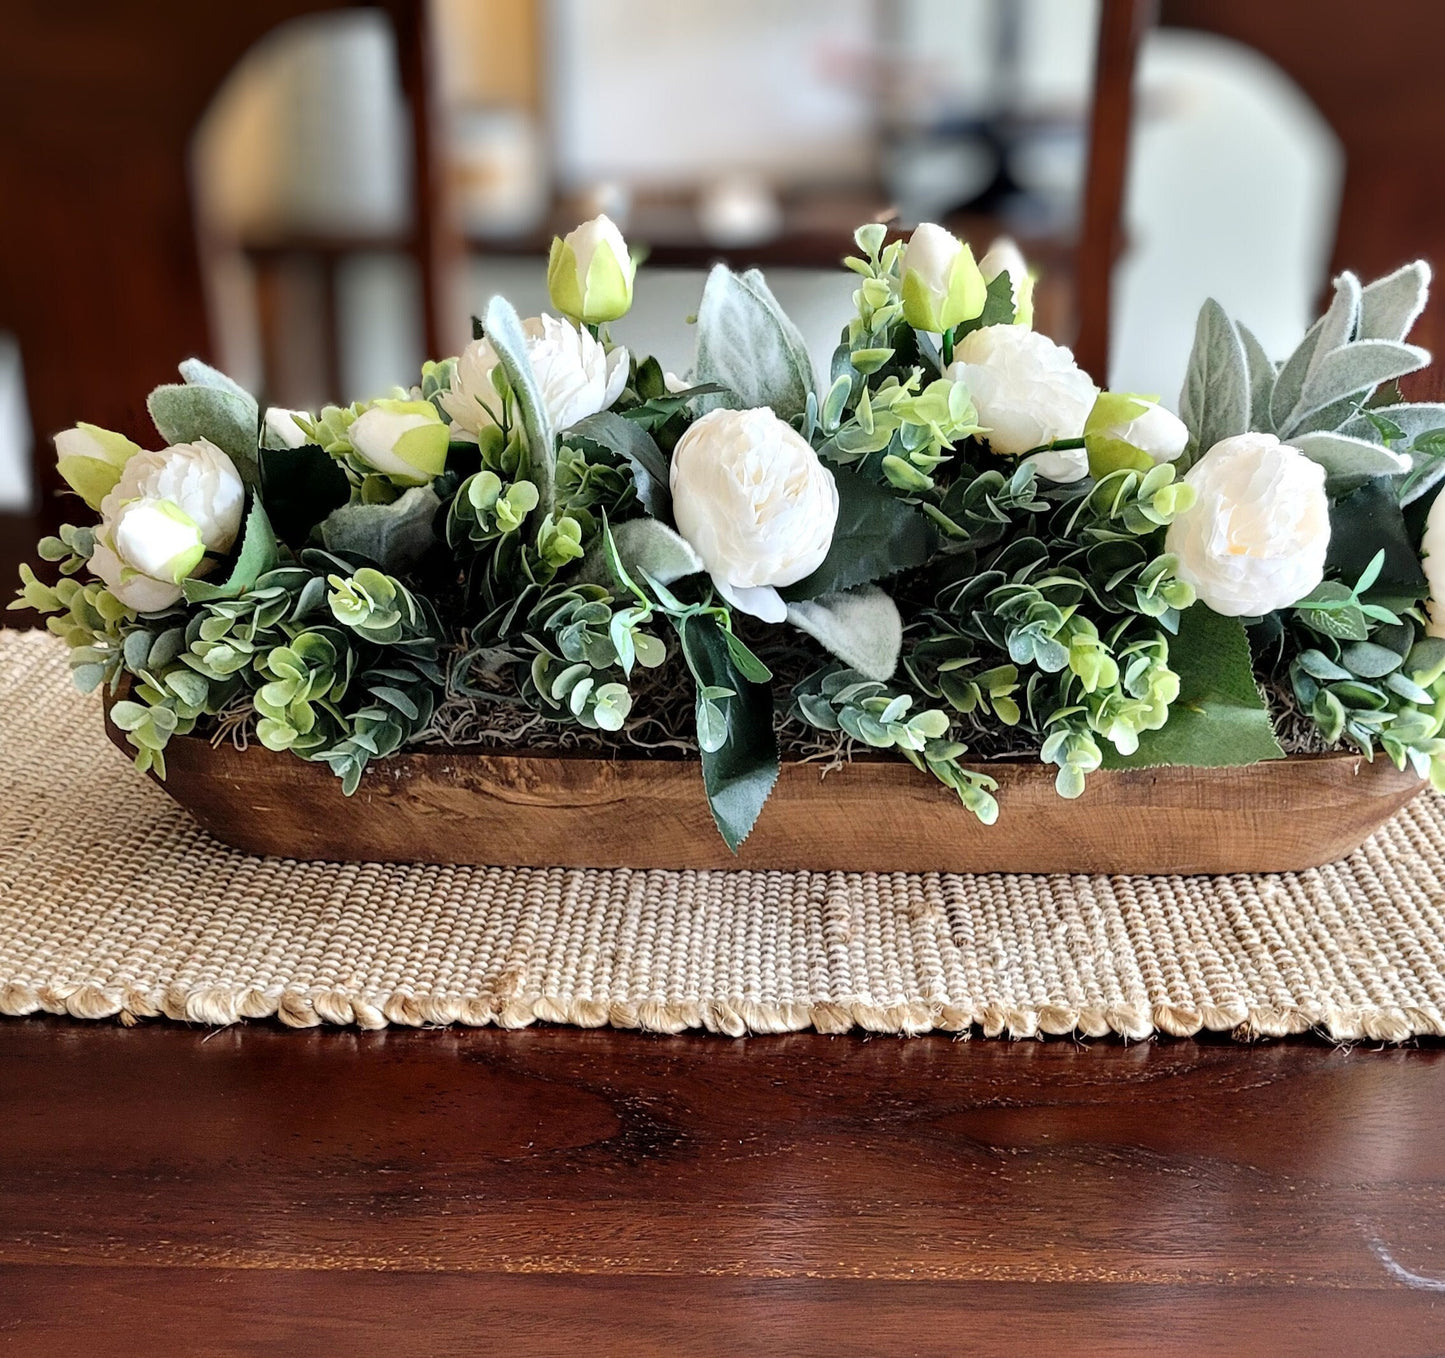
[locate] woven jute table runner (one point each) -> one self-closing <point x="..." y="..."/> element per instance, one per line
<point x="113" y="904"/>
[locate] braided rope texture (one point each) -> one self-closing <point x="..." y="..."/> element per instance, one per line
<point x="114" y="905"/>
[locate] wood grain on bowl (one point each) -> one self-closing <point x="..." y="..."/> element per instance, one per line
<point x="876" y="815"/>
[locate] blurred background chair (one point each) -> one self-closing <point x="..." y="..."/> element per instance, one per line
<point x="316" y="195"/>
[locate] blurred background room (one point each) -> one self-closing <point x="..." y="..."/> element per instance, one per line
<point x="316" y="196"/>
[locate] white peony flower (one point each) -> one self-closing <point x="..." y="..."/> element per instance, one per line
<point x="198" y="478"/>
<point x="403" y="440"/>
<point x="590" y="272"/>
<point x="145" y="552"/>
<point x="281" y="429"/>
<point x="577" y="376"/>
<point x="1028" y="392"/>
<point x="759" y="508"/>
<point x="1432" y="552"/>
<point x="941" y="285"/>
<point x="1003" y="256"/>
<point x="1256" y="536"/>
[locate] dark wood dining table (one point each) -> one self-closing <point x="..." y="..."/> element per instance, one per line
<point x="167" y="1190"/>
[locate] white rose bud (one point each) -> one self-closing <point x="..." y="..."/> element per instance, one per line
<point x="282" y="430"/>
<point x="1003" y="256"/>
<point x="1131" y="431"/>
<point x="590" y="272"/>
<point x="1256" y="536"/>
<point x="759" y="508"/>
<point x="406" y="441"/>
<point x="145" y="552"/>
<point x="577" y="376"/>
<point x="1028" y="392"/>
<point x="91" y="460"/>
<point x="198" y="478"/>
<point x="942" y="286"/>
<point x="1432" y="552"/>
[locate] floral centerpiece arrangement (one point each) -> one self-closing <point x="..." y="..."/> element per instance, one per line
<point x="953" y="546"/>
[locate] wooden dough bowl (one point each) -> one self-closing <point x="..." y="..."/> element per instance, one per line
<point x="874" y="815"/>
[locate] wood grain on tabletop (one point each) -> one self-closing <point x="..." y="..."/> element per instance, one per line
<point x="643" y="1195"/>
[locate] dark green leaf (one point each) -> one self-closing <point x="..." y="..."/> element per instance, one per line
<point x="1219" y="719"/>
<point x="877" y="535"/>
<point x="301" y="486"/>
<point x="631" y="441"/>
<point x="1365" y="522"/>
<point x="739" y="774"/>
<point x="258" y="555"/>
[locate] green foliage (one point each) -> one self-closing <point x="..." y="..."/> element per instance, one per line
<point x="1218" y="718"/>
<point x="300" y="487"/>
<point x="877" y="535"/>
<point x="734" y="728"/>
<point x="1382" y="693"/>
<point x="882" y="716"/>
<point x="209" y="405"/>
<point x="503" y="329"/>
<point x="747" y="345"/>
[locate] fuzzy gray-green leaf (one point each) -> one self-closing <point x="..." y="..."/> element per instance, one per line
<point x="746" y="343"/>
<point x="1215" y="402"/>
<point x="862" y="628"/>
<point x="1390" y="306"/>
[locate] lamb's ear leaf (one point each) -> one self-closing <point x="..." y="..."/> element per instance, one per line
<point x="1261" y="381"/>
<point x="1343" y="456"/>
<point x="185" y="412"/>
<point x="200" y="374"/>
<point x="392" y="536"/>
<point x="862" y="627"/>
<point x="1219" y="719"/>
<point x="1354" y="370"/>
<point x="630" y="440"/>
<point x="258" y="554"/>
<point x="739" y="771"/>
<point x="877" y="535"/>
<point x="1391" y="305"/>
<point x="644" y="546"/>
<point x="1215" y="402"/>
<point x="504" y="330"/>
<point x="747" y="343"/>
